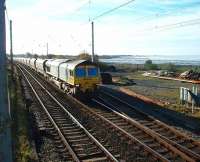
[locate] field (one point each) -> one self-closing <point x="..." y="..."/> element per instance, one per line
<point x="165" y="91"/>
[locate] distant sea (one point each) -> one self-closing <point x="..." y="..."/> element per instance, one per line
<point x="157" y="59"/>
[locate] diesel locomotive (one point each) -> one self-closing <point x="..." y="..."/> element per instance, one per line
<point x="75" y="77"/>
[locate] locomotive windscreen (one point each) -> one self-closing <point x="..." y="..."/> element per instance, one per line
<point x="80" y="72"/>
<point x="92" y="72"/>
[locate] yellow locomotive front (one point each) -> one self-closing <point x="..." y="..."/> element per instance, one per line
<point x="85" y="77"/>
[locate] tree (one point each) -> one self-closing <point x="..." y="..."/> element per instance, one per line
<point x="35" y="56"/>
<point x="171" y="67"/>
<point x="84" y="56"/>
<point x="150" y="66"/>
<point x="148" y="62"/>
<point x="87" y="56"/>
<point x="28" y="54"/>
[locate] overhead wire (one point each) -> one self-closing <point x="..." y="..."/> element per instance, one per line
<point x="75" y="11"/>
<point x="100" y="15"/>
<point x="112" y="10"/>
<point x="175" y="25"/>
<point x="156" y="28"/>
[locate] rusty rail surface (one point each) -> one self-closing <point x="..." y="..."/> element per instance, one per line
<point x="135" y="134"/>
<point x="135" y="143"/>
<point x="166" y="132"/>
<point x="73" y="135"/>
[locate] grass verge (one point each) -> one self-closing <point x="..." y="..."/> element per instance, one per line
<point x="20" y="124"/>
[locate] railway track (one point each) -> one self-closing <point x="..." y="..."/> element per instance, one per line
<point x="77" y="143"/>
<point x="123" y="152"/>
<point x="139" y="137"/>
<point x="167" y="133"/>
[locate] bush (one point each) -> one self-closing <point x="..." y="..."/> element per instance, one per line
<point x="84" y="56"/>
<point x="148" y="62"/>
<point x="87" y="56"/>
<point x="150" y="66"/>
<point x="171" y="67"/>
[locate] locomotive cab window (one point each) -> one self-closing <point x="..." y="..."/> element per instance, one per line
<point x="80" y="72"/>
<point x="92" y="72"/>
<point x="71" y="73"/>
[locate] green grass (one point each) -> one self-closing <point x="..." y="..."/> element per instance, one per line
<point x="159" y="91"/>
<point x="20" y="124"/>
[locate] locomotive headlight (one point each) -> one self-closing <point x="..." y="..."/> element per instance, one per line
<point x="77" y="85"/>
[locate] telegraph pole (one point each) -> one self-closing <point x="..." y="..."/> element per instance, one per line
<point x="93" y="41"/>
<point x="5" y="136"/>
<point x="11" y="48"/>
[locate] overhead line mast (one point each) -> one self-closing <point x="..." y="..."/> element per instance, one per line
<point x="93" y="60"/>
<point x="11" y="49"/>
<point x="5" y="136"/>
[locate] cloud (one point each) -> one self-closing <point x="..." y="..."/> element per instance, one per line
<point x="131" y="28"/>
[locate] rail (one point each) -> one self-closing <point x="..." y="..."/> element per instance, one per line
<point x="75" y="157"/>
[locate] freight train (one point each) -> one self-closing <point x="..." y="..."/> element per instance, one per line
<point x="76" y="77"/>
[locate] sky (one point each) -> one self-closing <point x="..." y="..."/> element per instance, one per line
<point x="143" y="27"/>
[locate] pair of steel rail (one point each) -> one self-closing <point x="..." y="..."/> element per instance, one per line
<point x="155" y="144"/>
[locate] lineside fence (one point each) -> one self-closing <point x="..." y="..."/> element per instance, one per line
<point x="190" y="98"/>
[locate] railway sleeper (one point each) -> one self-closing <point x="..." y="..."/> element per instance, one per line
<point x="162" y="151"/>
<point x="148" y="141"/>
<point x="122" y="124"/>
<point x="63" y="151"/>
<point x="69" y="127"/>
<point x="81" y="142"/>
<point x="79" y="145"/>
<point x="60" y="121"/>
<point x="166" y="134"/>
<point x="97" y="159"/>
<point x="82" y="136"/>
<point x="92" y="148"/>
<point x="149" y="124"/>
<point x="83" y="155"/>
<point x="108" y="115"/>
<point x="58" y="142"/>
<point x="78" y="140"/>
<point x="173" y="157"/>
<point x="92" y="156"/>
<point x="145" y="138"/>
<point x="49" y="129"/>
<point x="59" y="117"/>
<point x="161" y="129"/>
<point x="136" y="132"/>
<point x="53" y="132"/>
<point x="55" y="112"/>
<point x="70" y="133"/>
<point x="173" y="138"/>
<point x="180" y="141"/>
<point x="116" y="120"/>
<point x="190" y="145"/>
<point x="154" y="145"/>
<point x="144" y="122"/>
<point x="155" y="126"/>
<point x="196" y="149"/>
<point x="60" y="146"/>
<point x="129" y="127"/>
